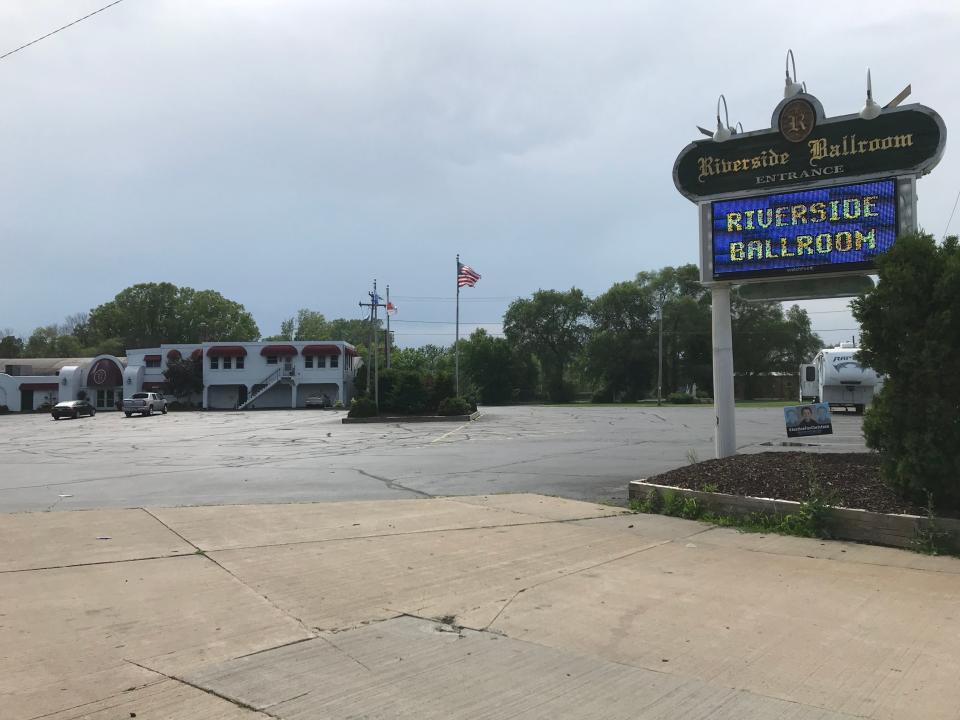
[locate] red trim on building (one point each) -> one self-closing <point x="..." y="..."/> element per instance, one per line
<point x="350" y="352"/>
<point x="283" y="350"/>
<point x="321" y="350"/>
<point x="226" y="351"/>
<point x="174" y="355"/>
<point x="152" y="358"/>
<point x="38" y="386"/>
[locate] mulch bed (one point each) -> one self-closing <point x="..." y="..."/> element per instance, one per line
<point x="849" y="480"/>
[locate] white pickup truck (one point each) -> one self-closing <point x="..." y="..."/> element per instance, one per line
<point x="145" y="403"/>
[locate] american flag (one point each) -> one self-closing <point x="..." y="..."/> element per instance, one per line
<point x="466" y="276"/>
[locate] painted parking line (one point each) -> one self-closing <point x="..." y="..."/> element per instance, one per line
<point x="448" y="433"/>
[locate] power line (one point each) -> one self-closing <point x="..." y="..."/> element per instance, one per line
<point x="951" y="216"/>
<point x="54" y="32"/>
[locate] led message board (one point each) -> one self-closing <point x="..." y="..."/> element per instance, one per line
<point x="830" y="229"/>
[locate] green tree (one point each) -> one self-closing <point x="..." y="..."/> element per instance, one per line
<point x="11" y="346"/>
<point x="487" y="363"/>
<point x="621" y="353"/>
<point x="687" y="346"/>
<point x="184" y="377"/>
<point x="40" y="344"/>
<point x="428" y="358"/>
<point x="766" y="340"/>
<point x="149" y="314"/>
<point x="552" y="326"/>
<point x="911" y="332"/>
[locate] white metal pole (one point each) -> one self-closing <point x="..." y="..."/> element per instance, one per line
<point x="376" y="365"/>
<point x="723" y="402"/>
<point x="386" y="342"/>
<point x="456" y="343"/>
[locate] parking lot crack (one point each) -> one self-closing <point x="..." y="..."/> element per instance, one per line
<point x="391" y="484"/>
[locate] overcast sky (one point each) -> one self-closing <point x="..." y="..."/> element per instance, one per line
<point x="287" y="152"/>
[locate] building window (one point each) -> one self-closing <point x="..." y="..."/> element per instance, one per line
<point x="239" y="365"/>
<point x="334" y="361"/>
<point x="227" y="363"/>
<point x="153" y="363"/>
<point x="308" y="361"/>
<point x="271" y="359"/>
<point x="214" y="363"/>
<point x="321" y="361"/>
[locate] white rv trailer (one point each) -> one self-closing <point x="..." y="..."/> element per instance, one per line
<point x="836" y="377"/>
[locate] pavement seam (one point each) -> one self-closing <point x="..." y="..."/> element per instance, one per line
<point x="542" y="521"/>
<point x="240" y="580"/>
<point x="208" y="691"/>
<point x="589" y="567"/>
<point x="170" y="529"/>
<point x="568" y="575"/>
<point x="98" y="562"/>
<point x="100" y="700"/>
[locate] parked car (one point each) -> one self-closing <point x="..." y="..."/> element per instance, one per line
<point x="144" y="403"/>
<point x="320" y="401"/>
<point x="72" y="409"/>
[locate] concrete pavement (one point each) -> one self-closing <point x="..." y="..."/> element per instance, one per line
<point x="584" y="453"/>
<point x="507" y="606"/>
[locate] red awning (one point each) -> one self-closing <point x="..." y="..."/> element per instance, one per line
<point x="152" y="358"/>
<point x="197" y="354"/>
<point x="321" y="350"/>
<point x="151" y="385"/>
<point x="38" y="386"/>
<point x="278" y="350"/>
<point x="226" y="351"/>
<point x="350" y="352"/>
<point x="174" y="355"/>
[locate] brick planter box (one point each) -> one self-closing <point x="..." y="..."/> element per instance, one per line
<point x="842" y="523"/>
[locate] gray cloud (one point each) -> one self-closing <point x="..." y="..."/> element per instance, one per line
<point x="285" y="153"/>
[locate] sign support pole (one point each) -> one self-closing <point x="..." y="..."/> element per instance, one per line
<point x="725" y="433"/>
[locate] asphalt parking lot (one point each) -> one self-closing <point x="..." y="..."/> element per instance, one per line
<point x="585" y="453"/>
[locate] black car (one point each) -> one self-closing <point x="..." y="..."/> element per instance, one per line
<point x="73" y="409"/>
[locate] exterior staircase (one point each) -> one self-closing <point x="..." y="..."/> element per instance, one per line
<point x="283" y="374"/>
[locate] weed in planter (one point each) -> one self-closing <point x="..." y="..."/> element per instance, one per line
<point x="928" y="537"/>
<point x="710" y="488"/>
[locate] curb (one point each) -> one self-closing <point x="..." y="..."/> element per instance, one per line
<point x="898" y="531"/>
<point x="413" y="419"/>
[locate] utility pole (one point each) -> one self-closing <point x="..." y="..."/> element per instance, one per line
<point x="373" y="369"/>
<point x="660" y="356"/>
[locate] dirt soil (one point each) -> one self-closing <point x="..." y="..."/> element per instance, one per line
<point x="849" y="480"/>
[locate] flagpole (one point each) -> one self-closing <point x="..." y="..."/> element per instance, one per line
<point x="456" y="344"/>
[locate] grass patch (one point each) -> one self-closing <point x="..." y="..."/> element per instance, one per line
<point x="808" y="521"/>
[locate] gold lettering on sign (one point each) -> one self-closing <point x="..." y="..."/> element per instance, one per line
<point x="820" y="149"/>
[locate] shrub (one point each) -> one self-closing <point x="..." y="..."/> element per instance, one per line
<point x="911" y="334"/>
<point x="402" y="391"/>
<point x="362" y="407"/>
<point x="681" y="398"/>
<point x="455" y="406"/>
<point x="338" y="405"/>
